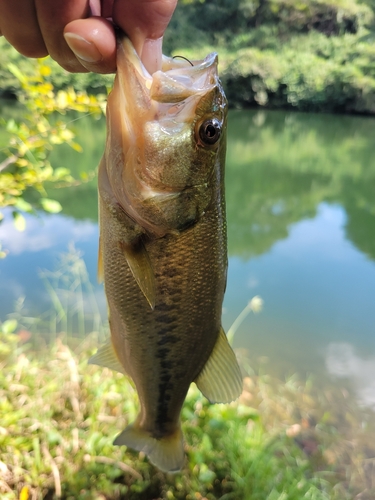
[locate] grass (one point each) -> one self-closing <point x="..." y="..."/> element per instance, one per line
<point x="73" y="309"/>
<point x="283" y="440"/>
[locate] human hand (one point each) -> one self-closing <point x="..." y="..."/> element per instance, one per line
<point x="79" y="34"/>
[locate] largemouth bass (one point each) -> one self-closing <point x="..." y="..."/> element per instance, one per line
<point x="163" y="248"/>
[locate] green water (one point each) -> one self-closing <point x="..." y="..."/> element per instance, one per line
<point x="301" y="234"/>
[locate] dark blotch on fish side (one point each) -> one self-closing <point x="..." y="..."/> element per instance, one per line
<point x="166" y="307"/>
<point x="162" y="353"/>
<point x="168" y="339"/>
<point x="165" y="387"/>
<point x="166" y="319"/>
<point x="165" y="377"/>
<point x="166" y="365"/>
<point x="171" y="273"/>
<point x="166" y="330"/>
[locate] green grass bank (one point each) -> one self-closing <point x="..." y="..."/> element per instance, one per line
<point x="281" y="440"/>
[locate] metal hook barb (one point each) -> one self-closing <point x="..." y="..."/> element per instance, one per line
<point x="182" y="57"/>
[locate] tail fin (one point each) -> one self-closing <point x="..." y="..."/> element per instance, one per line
<point x="166" y="453"/>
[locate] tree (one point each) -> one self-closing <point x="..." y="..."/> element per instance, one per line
<point x="24" y="162"/>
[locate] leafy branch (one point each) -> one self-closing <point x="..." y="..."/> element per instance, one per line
<point x="24" y="162"/>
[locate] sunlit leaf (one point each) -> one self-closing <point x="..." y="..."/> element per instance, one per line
<point x="32" y="138"/>
<point x="19" y="221"/>
<point x="77" y="147"/>
<point x="62" y="172"/>
<point x="23" y="205"/>
<point x="42" y="126"/>
<point x="9" y="326"/>
<point x="66" y="135"/>
<point x="51" y="206"/>
<point x="11" y="126"/>
<point x="44" y="70"/>
<point x="17" y="73"/>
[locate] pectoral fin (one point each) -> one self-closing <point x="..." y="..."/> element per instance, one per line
<point x="106" y="357"/>
<point x="139" y="262"/>
<point x="220" y="381"/>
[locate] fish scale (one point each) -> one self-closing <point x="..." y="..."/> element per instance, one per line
<point x="163" y="248"/>
<point x="193" y="310"/>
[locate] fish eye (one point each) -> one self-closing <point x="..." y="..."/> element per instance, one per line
<point x="210" y="131"/>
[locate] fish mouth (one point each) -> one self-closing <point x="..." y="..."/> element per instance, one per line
<point x="178" y="78"/>
<point x="153" y="154"/>
<point x="169" y="97"/>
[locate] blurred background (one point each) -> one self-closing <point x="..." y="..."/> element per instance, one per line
<point x="300" y="183"/>
<point x="300" y="187"/>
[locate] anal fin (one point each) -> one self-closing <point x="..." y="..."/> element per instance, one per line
<point x="220" y="380"/>
<point x="139" y="263"/>
<point x="107" y="358"/>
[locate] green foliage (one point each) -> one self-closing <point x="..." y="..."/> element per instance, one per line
<point x="92" y="83"/>
<point x="8" y="341"/>
<point x="283" y="165"/>
<point x="221" y="21"/>
<point x="308" y="55"/>
<point x="331" y="17"/>
<point x="58" y="418"/>
<point x="280" y="167"/>
<point x="74" y="304"/>
<point x="310" y="72"/>
<point x="25" y="166"/>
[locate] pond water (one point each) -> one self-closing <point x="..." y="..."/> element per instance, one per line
<point x="301" y="221"/>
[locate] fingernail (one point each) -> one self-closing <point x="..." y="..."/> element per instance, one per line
<point x="152" y="54"/>
<point x="83" y="49"/>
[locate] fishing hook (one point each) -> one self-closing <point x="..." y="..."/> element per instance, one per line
<point x="182" y="57"/>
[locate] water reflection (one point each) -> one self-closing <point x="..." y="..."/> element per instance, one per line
<point x="281" y="166"/>
<point x="318" y="288"/>
<point x="301" y="221"/>
<point x="36" y="249"/>
<point x="44" y="232"/>
<point x="343" y="362"/>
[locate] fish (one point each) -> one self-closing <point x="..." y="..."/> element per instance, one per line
<point x="163" y="244"/>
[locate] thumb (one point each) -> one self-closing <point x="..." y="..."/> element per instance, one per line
<point x="93" y="43"/>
